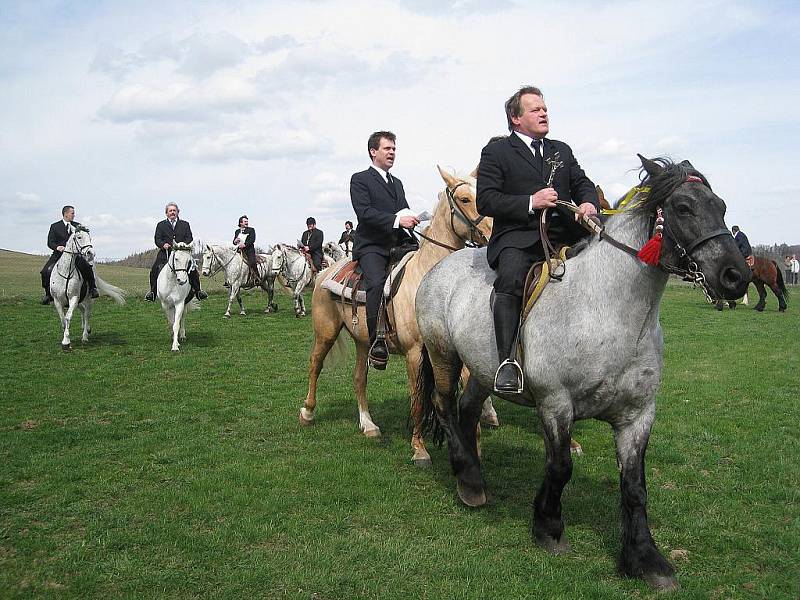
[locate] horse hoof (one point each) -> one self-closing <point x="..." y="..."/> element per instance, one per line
<point x="471" y="497"/>
<point x="242" y="314"/>
<point x="66" y="347"/>
<point x="306" y="417"/>
<point x="490" y="422"/>
<point x="760" y="308"/>
<point x="552" y="545"/>
<point x="226" y="316"/>
<point x="373" y="433"/>
<point x="575" y="448"/>
<point x="423" y="463"/>
<point x="661" y="583"/>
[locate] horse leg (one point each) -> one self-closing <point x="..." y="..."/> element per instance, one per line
<point x="420" y="456"/>
<point x="470" y="413"/>
<point x="231" y="295"/>
<point x="365" y="422"/>
<point x="60" y="312"/>
<point x="640" y="557"/>
<point x="762" y="295"/>
<point x="242" y="313"/>
<point x="779" y="295"/>
<point x="555" y="414"/>
<point x="324" y="337"/>
<point x="66" y="344"/>
<point x="489" y="414"/>
<point x="86" y="311"/>
<point x="176" y="316"/>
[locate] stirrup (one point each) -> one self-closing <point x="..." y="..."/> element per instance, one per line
<point x="520" y="377"/>
<point x="376" y="362"/>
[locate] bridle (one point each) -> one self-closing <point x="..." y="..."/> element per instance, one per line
<point x="171" y="261"/>
<point x="285" y="261"/>
<point x="687" y="267"/>
<point x="73" y="241"/>
<point x="476" y="237"/>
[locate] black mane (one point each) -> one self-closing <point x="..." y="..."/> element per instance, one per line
<point x="667" y="181"/>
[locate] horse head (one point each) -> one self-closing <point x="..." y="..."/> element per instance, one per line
<point x="466" y="222"/>
<point x="696" y="241"/>
<point x="333" y="250"/>
<point x="278" y="258"/>
<point x="208" y="260"/>
<point x="81" y="243"/>
<point x="181" y="261"/>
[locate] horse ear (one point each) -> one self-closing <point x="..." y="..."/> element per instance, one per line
<point x="652" y="167"/>
<point x="688" y="165"/>
<point x="474" y="172"/>
<point x="448" y="179"/>
<point x="602" y="197"/>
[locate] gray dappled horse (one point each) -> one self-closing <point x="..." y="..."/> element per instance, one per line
<point x="294" y="273"/>
<point x="173" y="289"/>
<point x="231" y="261"/>
<point x="593" y="348"/>
<point x="68" y="288"/>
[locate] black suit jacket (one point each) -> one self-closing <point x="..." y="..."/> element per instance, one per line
<point x="313" y="239"/>
<point x="508" y="175"/>
<point x="743" y="243"/>
<point x="166" y="235"/>
<point x="58" y="236"/>
<point x="376" y="203"/>
<point x="251" y="237"/>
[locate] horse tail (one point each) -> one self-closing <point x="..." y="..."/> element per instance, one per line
<point x="779" y="279"/>
<point x="425" y="389"/>
<point x="118" y="294"/>
<point x="337" y="355"/>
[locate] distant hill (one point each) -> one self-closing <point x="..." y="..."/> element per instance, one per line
<point x="143" y="259"/>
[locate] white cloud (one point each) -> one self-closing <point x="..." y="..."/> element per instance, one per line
<point x="275" y="143"/>
<point x="204" y="53"/>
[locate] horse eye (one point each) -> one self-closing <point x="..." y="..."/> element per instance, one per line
<point x="684" y="210"/>
<point x="465" y="200"/>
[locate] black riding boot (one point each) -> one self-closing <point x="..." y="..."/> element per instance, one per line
<point x="194" y="281"/>
<point x="506" y="320"/>
<point x="378" y="350"/>
<point x="87" y="271"/>
<point x="47" y="298"/>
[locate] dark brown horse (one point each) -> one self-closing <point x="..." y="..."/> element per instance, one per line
<point x="765" y="274"/>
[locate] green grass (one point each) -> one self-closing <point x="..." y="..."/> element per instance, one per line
<point x="155" y="474"/>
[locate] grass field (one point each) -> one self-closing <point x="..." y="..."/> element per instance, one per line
<point x="130" y="471"/>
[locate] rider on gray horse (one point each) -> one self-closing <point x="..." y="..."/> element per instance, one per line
<point x="519" y="176"/>
<point x="56" y="240"/>
<point x="169" y="232"/>
<point x="244" y="238"/>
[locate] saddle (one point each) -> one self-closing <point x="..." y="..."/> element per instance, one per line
<point x="345" y="280"/>
<point x="542" y="272"/>
<point x="324" y="262"/>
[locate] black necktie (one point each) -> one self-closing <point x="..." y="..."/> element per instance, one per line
<point x="388" y="179"/>
<point x="537" y="150"/>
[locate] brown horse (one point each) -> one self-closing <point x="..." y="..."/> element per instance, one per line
<point x="455" y="222"/>
<point x="765" y="274"/>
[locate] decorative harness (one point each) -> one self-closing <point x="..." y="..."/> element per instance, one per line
<point x="171" y="261"/>
<point x="72" y="267"/>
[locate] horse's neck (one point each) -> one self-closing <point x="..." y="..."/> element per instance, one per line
<point x="440" y="230"/>
<point x="618" y="275"/>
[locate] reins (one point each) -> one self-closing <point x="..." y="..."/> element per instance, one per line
<point x="456" y="212"/>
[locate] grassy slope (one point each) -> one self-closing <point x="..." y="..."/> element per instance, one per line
<point x="157" y="474"/>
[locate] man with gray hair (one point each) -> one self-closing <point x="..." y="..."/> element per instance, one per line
<point x="170" y="231"/>
<point x="520" y="177"/>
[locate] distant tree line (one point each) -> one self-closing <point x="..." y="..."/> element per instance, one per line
<point x="146" y="258"/>
<point x="776" y="252"/>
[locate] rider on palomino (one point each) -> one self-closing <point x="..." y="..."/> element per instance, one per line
<point x="244" y="238"/>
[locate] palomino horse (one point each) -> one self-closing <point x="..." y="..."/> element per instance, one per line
<point x="454" y="223"/>
<point x="230" y="260"/>
<point x="68" y="289"/>
<point x="294" y="272"/>
<point x="765" y="274"/>
<point x="174" y="288"/>
<point x="593" y="348"/>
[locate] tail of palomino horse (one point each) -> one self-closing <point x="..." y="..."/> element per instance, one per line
<point x="118" y="294"/>
<point x="337" y="355"/>
<point x="425" y="388"/>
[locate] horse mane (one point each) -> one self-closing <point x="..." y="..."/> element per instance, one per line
<point x="182" y="246"/>
<point x="80" y="228"/>
<point x="667" y="181"/>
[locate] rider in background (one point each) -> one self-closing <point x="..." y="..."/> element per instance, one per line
<point x="56" y="240"/>
<point x="170" y="231"/>
<point x="311" y="241"/>
<point x="244" y="238"/>
<point x="744" y="245"/>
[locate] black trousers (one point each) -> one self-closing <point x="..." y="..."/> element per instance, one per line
<point x="161" y="260"/>
<point x="374" y="266"/>
<point x="316" y="258"/>
<point x="249" y="253"/>
<point x="84" y="268"/>
<point x="513" y="265"/>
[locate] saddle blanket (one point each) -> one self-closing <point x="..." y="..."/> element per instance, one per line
<point x="345" y="277"/>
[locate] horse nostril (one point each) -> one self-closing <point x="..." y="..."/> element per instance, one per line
<point x="731" y="277"/>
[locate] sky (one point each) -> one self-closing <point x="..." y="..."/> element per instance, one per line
<point x="264" y="108"/>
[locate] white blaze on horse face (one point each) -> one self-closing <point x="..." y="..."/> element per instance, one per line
<point x="207" y="254"/>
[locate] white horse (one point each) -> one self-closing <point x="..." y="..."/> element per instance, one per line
<point x="294" y="272"/>
<point x="173" y="288"/>
<point x="230" y="260"/>
<point x="333" y="252"/>
<point x="67" y="285"/>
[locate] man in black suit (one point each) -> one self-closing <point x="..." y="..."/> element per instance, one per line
<point x="56" y="240"/>
<point x="744" y="245"/>
<point x="377" y="197"/>
<point x="348" y="238"/>
<point x="244" y="238"/>
<point x="168" y="232"/>
<point x="311" y="240"/>
<point x="512" y="188"/>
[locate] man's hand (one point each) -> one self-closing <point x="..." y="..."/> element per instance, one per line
<point x="166" y="246"/>
<point x="306" y="248"/>
<point x="586" y="210"/>
<point x="60" y="248"/>
<point x="544" y="198"/>
<point x="408" y="222"/>
<point x="241" y="245"/>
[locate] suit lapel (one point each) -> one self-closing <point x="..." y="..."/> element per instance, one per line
<point x="390" y="188"/>
<point x="525" y="152"/>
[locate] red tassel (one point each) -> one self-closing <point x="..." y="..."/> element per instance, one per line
<point x="650" y="253"/>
